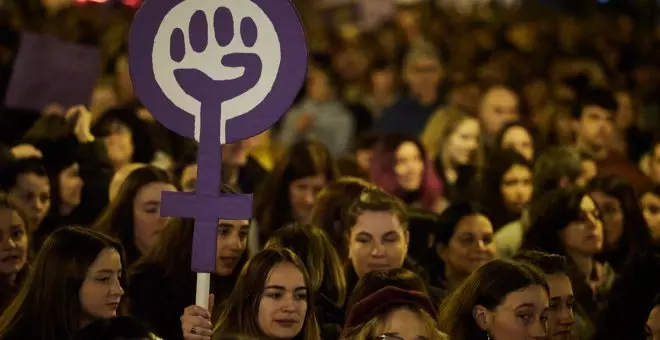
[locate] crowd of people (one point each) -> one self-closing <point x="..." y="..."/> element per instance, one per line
<point x="493" y="175"/>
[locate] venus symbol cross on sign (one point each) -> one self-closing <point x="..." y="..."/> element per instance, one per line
<point x="218" y="71"/>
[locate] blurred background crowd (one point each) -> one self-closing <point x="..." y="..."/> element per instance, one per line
<point x="462" y="169"/>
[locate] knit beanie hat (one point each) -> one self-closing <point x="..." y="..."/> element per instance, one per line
<point x="382" y="301"/>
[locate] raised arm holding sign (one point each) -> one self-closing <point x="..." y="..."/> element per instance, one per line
<point x="218" y="71"/>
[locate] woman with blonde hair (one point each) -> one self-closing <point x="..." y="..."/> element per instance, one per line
<point x="452" y="140"/>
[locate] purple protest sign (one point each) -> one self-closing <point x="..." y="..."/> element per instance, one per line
<point x="48" y="70"/>
<point x="218" y="71"/>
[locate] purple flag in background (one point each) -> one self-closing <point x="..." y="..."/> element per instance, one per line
<point x="48" y="70"/>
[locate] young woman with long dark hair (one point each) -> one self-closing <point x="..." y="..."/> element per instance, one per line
<point x="76" y="278"/>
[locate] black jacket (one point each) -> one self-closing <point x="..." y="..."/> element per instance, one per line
<point x="631" y="299"/>
<point x="158" y="300"/>
<point x="329" y="316"/>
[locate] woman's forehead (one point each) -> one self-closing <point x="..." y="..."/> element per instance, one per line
<point x="377" y="222"/>
<point x="285" y="274"/>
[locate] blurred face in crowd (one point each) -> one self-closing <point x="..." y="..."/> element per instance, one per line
<point x="625" y="115"/>
<point x="34" y="191"/>
<point x="517" y="187"/>
<point x="303" y="193"/>
<point x="612" y="216"/>
<point x="232" y="240"/>
<point x="71" y="186"/>
<point x="382" y="81"/>
<point x="517" y="138"/>
<point x="589" y="171"/>
<point x="351" y="64"/>
<point x="463" y="143"/>
<point x="523" y="36"/>
<point x="654" y="164"/>
<point x="522" y="315"/>
<point x="147" y="222"/>
<point x="283" y="304"/>
<point x="650" y="203"/>
<point x="13" y="243"/>
<point x="378" y="242"/>
<point x="653" y="324"/>
<point x="595" y="127"/>
<point x="409" y="21"/>
<point x="319" y="87"/>
<point x="119" y="144"/>
<point x="499" y="106"/>
<point x="584" y="236"/>
<point x="188" y="179"/>
<point x="561" y="316"/>
<point x="389" y="41"/>
<point x="423" y="75"/>
<point x="407" y="18"/>
<point x="363" y="158"/>
<point x="101" y="290"/>
<point x="537" y="92"/>
<point x="405" y="323"/>
<point x="470" y="247"/>
<point x="409" y="166"/>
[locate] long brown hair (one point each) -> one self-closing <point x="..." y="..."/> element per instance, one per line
<point x="272" y="206"/>
<point x="48" y="306"/>
<point x="321" y="260"/>
<point x="117" y="219"/>
<point x="488" y="286"/>
<point x="8" y="290"/>
<point x="331" y="203"/>
<point x="242" y="308"/>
